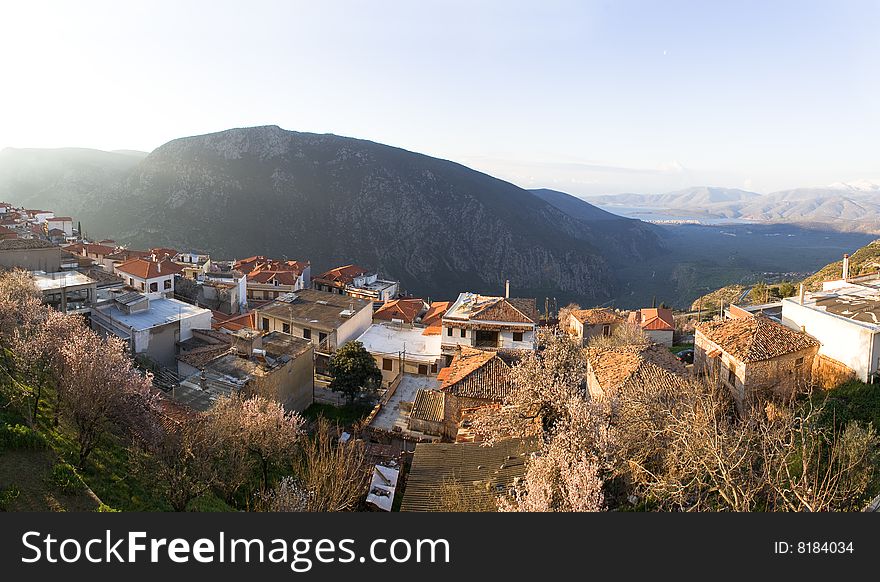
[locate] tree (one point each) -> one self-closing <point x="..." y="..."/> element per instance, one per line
<point x="625" y="334"/>
<point x="182" y="461"/>
<point x="261" y="427"/>
<point x="786" y="289"/>
<point x="565" y="314"/>
<point x="354" y="371"/>
<point x="758" y="294"/>
<point x="98" y="375"/>
<point x="548" y="389"/>
<point x="329" y="476"/>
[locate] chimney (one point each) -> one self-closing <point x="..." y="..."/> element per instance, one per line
<point x="507" y="288"/>
<point x="159" y="266"/>
<point x="802" y="294"/>
<point x="845" y="267"/>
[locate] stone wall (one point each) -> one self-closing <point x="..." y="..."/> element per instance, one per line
<point x="829" y="373"/>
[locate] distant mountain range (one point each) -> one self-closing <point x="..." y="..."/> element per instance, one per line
<point x="845" y="205"/>
<point x="436" y="225"/>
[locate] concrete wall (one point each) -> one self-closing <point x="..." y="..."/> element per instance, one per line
<point x="355" y="326"/>
<point x="662" y="337"/>
<point x="45" y="259"/>
<point x="291" y="384"/>
<point x="850" y="343"/>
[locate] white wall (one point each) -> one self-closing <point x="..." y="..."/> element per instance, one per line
<point x="662" y="337"/>
<point x="201" y="320"/>
<point x="353" y="327"/>
<point x="842" y="339"/>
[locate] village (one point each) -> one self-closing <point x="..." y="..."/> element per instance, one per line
<point x="205" y="328"/>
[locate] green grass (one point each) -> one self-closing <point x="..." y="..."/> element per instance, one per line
<point x="853" y="400"/>
<point x="345" y="416"/>
<point x="678" y="347"/>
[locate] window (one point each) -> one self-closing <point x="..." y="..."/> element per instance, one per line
<point x="167" y="284"/>
<point x="307" y="333"/>
<point x="731" y="375"/>
<point x="387" y="364"/>
<point x="463" y="332"/>
<point x="142" y="286"/>
<point x="606" y="330"/>
<point x="449" y="331"/>
<point x="423" y="369"/>
<point x="154" y="287"/>
<point x="265" y="323"/>
<point x="131" y="281"/>
<point x="799" y="362"/>
<point x="517" y="336"/>
<point x="285" y="327"/>
<point x="433" y="368"/>
<point x="322" y="336"/>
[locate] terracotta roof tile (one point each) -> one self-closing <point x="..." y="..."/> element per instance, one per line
<point x="144" y="269"/>
<point x="340" y="276"/>
<point x="476" y="373"/>
<point x="755" y="339"/>
<point x="596" y="316"/>
<point x="618" y="367"/>
<point x="653" y="319"/>
<point x="406" y="310"/>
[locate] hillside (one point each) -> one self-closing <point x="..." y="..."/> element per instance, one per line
<point x="864" y="260"/>
<point x="59" y="179"/>
<point x="436" y="225"/>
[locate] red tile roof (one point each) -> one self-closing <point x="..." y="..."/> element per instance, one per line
<point x="144" y="269"/>
<point x="653" y="319"/>
<point x="90" y="248"/>
<point x="476" y="373"/>
<point x="597" y="316"/>
<point x="755" y="339"/>
<point x="433" y="318"/>
<point x="234" y="323"/>
<point x="405" y="310"/>
<point x="163" y="253"/>
<point x="340" y="276"/>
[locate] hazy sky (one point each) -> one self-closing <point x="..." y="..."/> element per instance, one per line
<point x="587" y="97"/>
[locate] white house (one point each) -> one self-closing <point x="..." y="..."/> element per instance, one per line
<point x="151" y="327"/>
<point x="62" y="223"/>
<point x="399" y="349"/>
<point x="153" y="278"/>
<point x="485" y="322"/>
<point x="845" y="318"/>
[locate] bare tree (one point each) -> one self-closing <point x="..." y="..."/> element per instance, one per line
<point x="625" y="334"/>
<point x="565" y="314"/>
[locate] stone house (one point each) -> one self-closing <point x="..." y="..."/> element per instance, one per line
<point x="754" y="357"/>
<point x="611" y="371"/>
<point x="485" y="322"/>
<point x="585" y="324"/>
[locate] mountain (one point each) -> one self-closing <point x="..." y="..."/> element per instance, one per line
<point x="846" y="206"/>
<point x="701" y="197"/>
<point x="436" y="225"/>
<point x="58" y="179"/>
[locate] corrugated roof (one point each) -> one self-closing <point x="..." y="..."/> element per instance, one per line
<point x="478" y="469"/>
<point x="428" y="405"/>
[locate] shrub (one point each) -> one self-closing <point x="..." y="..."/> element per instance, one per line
<point x="19" y="436"/>
<point x="65" y="479"/>
<point x="7" y="496"/>
<point x="104" y="508"/>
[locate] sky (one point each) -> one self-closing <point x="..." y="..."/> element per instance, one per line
<point x="581" y="96"/>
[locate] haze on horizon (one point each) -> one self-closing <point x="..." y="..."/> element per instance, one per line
<point x="585" y="97"/>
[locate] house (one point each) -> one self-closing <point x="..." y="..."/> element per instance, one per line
<point x="101" y="254"/>
<point x="658" y="324"/>
<point x="218" y="290"/>
<point x="456" y="475"/>
<point x="585" y="324"/>
<point x="322" y="318"/>
<point x="7" y="233"/>
<point x="204" y="345"/>
<point x="152" y="327"/>
<point x="30" y="255"/>
<point x="400" y="350"/>
<point x="56" y="236"/>
<point x="404" y="311"/>
<point x="194" y="264"/>
<point x="356" y="281"/>
<point x="39" y="216"/>
<point x="119" y="256"/>
<point x="267" y="279"/>
<point x="474" y="378"/>
<point x="154" y="278"/>
<point x="233" y="323"/>
<point x="62" y="223"/>
<point x="66" y="291"/>
<point x="845" y="319"/>
<point x="614" y="370"/>
<point x="754" y="357"/>
<point x="489" y="322"/>
<point x="159" y="253"/>
<point x="276" y="366"/>
<point x="432" y="320"/>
